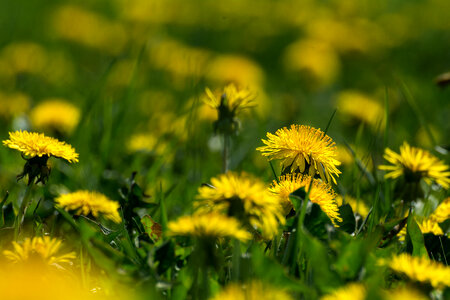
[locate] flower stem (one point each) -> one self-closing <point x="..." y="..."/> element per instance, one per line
<point x="226" y="152"/>
<point x="21" y="214"/>
<point x="236" y="260"/>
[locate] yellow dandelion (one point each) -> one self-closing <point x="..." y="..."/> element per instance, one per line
<point x="88" y="202"/>
<point x="357" y="206"/>
<point x="234" y="99"/>
<point x="414" y="164"/>
<point x="321" y="193"/>
<point x="55" y="115"/>
<point x="355" y="291"/>
<point x="254" y="290"/>
<point x="442" y="212"/>
<point x="361" y="107"/>
<point x="43" y="248"/>
<point x="13" y="104"/>
<point x="403" y="293"/>
<point x="422" y="269"/>
<point x="303" y="149"/>
<point x="210" y="225"/>
<point x="428" y="225"/>
<point x="34" y="144"/>
<point x="244" y="197"/>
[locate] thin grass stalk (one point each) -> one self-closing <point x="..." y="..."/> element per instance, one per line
<point x="22" y="210"/>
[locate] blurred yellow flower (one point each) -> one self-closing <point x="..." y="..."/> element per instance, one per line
<point x="357" y="206"/>
<point x="303" y="149"/>
<point x="210" y="225"/>
<point x="404" y="293"/>
<point x="442" y="212"/>
<point x="56" y="115"/>
<point x="422" y="269"/>
<point x="92" y="30"/>
<point x="34" y="144"/>
<point x="37" y="249"/>
<point x="235" y="100"/>
<point x="88" y="202"/>
<point x="254" y="290"/>
<point x="359" y="106"/>
<point x="13" y="104"/>
<point x="143" y="142"/>
<point x="427" y="225"/>
<point x="244" y="197"/>
<point x="354" y="291"/>
<point x="414" y="164"/>
<point x="321" y="193"/>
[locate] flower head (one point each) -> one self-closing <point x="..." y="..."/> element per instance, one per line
<point x="421" y="269"/>
<point x="414" y="164"/>
<point x="357" y="206"/>
<point x="304" y="149"/>
<point x="244" y="197"/>
<point x="442" y="212"/>
<point x="354" y="291"/>
<point x="210" y="225"/>
<point x="428" y="225"/>
<point x="361" y="107"/>
<point x="43" y="248"/>
<point x="321" y="193"/>
<point x="87" y="202"/>
<point x="254" y="290"/>
<point x="403" y="293"/>
<point x="56" y="115"/>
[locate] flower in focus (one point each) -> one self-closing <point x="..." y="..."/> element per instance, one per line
<point x="210" y="225"/>
<point x="228" y="105"/>
<point x="414" y="164"/>
<point x="43" y="248"/>
<point x="355" y="291"/>
<point x="254" y="290"/>
<point x="422" y="269"/>
<point x="38" y="148"/>
<point x="442" y="212"/>
<point x="357" y="206"/>
<point x="321" y="193"/>
<point x="244" y="197"/>
<point x="55" y="115"/>
<point x="303" y="149"/>
<point x="87" y="202"/>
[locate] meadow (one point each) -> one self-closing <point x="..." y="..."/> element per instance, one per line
<point x="240" y="149"/>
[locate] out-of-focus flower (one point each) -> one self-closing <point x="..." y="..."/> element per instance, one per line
<point x="13" y="104"/>
<point x="303" y="149"/>
<point x="321" y="193"/>
<point x="356" y="291"/>
<point x="88" y="202"/>
<point x="404" y="293"/>
<point x="254" y="290"/>
<point x="244" y="197"/>
<point x="422" y="269"/>
<point x="55" y="115"/>
<point x="210" y="225"/>
<point x="315" y="59"/>
<point x="143" y="142"/>
<point x="361" y="107"/>
<point x="38" y="148"/>
<point x="45" y="249"/>
<point x="427" y="225"/>
<point x="357" y="206"/>
<point x="92" y="30"/>
<point x="442" y="212"/>
<point x="414" y="164"/>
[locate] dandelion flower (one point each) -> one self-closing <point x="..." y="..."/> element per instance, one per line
<point x="13" y="104"/>
<point x="211" y="225"/>
<point x="244" y="197"/>
<point x="421" y="269"/>
<point x="55" y="115"/>
<point x="321" y="193"/>
<point x="303" y="149"/>
<point x="403" y="293"/>
<point x="355" y="291"/>
<point x="428" y="225"/>
<point x="254" y="290"/>
<point x="357" y="206"/>
<point x="44" y="248"/>
<point x="360" y="107"/>
<point x="414" y="164"/>
<point x="87" y="202"/>
<point x="442" y="212"/>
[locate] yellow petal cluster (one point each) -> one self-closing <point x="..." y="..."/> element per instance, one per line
<point x="404" y="293"/>
<point x="360" y="106"/>
<point x="88" y="202"/>
<point x="55" y="114"/>
<point x="231" y="191"/>
<point x="428" y="225"/>
<point x="442" y="212"/>
<point x="321" y="193"/>
<point x="354" y="291"/>
<point x="44" y="248"/>
<point x="357" y="206"/>
<point x="422" y="269"/>
<point x="210" y="225"/>
<point x="304" y="149"/>
<point x="34" y="144"/>
<point x="235" y="99"/>
<point x="254" y="290"/>
<point x="415" y="163"/>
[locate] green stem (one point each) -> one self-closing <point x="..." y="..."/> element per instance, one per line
<point x="226" y="152"/>
<point x="21" y="214"/>
<point x="236" y="260"/>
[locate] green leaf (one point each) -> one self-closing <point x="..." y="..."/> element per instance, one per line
<point x="152" y="228"/>
<point x="414" y="238"/>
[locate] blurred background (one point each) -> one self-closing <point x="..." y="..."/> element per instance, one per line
<point x="122" y="81"/>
